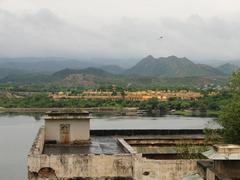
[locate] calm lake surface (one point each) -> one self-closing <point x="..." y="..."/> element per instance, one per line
<point x="18" y="131"/>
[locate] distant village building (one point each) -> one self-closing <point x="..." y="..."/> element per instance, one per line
<point x="131" y="96"/>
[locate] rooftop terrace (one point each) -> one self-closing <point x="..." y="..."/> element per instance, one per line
<point x="98" y="145"/>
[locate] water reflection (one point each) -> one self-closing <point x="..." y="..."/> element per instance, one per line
<point x="16" y="136"/>
<point x="165" y="122"/>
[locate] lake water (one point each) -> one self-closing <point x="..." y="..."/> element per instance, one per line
<point x="18" y="131"/>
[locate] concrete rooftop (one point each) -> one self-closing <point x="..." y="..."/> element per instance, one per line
<point x="98" y="145"/>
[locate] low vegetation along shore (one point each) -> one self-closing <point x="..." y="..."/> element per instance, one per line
<point x="93" y="109"/>
<point x="206" y="105"/>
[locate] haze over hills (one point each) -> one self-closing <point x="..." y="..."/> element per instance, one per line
<point x="54" y="64"/>
<point x="228" y="68"/>
<point x="114" y="69"/>
<point x="72" y="72"/>
<point x="43" y="64"/>
<point x="217" y="62"/>
<point x="4" y="72"/>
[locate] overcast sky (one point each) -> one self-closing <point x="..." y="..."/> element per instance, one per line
<point x="197" y="29"/>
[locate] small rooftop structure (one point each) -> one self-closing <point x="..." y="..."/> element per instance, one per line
<point x="67" y="127"/>
<point x="224" y="152"/>
<point x="226" y="161"/>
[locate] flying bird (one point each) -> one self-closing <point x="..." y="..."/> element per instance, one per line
<point x="161" y="37"/>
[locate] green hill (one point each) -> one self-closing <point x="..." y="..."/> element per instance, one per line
<point x="90" y="71"/>
<point x="148" y="73"/>
<point x="171" y="66"/>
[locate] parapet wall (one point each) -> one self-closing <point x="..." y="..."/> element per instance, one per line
<point x="138" y="132"/>
<point x="79" y="165"/>
<point x="110" y="167"/>
<point x="38" y="143"/>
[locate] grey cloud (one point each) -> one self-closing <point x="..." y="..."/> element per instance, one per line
<point x="206" y="38"/>
<point x="45" y="34"/>
<point x="42" y="34"/>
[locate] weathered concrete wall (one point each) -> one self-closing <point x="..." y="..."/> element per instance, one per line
<point x="152" y="132"/>
<point x="202" y="166"/>
<point x="84" y="166"/>
<point x="79" y="129"/>
<point x="228" y="168"/>
<point x="38" y="143"/>
<point x="126" y="147"/>
<point x="169" y="141"/>
<point x="145" y="169"/>
<point x="210" y="175"/>
<point x="108" y="167"/>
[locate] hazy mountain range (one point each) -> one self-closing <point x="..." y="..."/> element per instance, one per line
<point x="228" y="68"/>
<point x="71" y="71"/>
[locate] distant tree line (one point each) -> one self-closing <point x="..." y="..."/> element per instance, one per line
<point x="213" y="103"/>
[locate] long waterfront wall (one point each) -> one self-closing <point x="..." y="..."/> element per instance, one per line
<point x="80" y="166"/>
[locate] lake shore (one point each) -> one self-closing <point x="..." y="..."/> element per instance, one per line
<point x="93" y="109"/>
<point x="129" y="111"/>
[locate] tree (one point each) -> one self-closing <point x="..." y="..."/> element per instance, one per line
<point x="235" y="83"/>
<point x="150" y="104"/>
<point x="230" y="121"/>
<point x="230" y="114"/>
